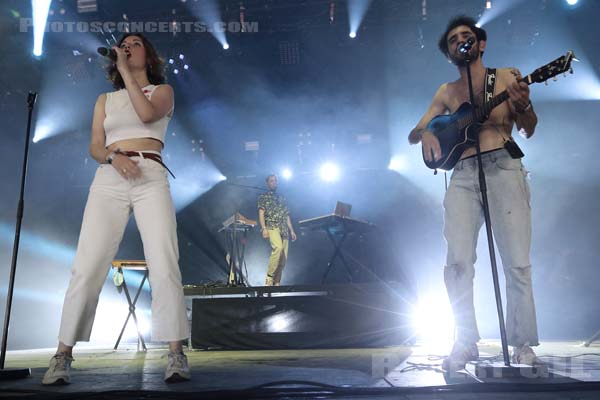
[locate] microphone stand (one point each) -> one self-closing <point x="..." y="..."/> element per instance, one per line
<point x="488" y="222"/>
<point x="494" y="370"/>
<point x="6" y="374"/>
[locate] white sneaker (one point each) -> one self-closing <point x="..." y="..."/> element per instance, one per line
<point x="59" y="371"/>
<point x="460" y="355"/>
<point x="177" y="368"/>
<point x="525" y="355"/>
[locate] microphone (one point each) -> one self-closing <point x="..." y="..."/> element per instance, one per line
<point x="106" y="52"/>
<point x="466" y="46"/>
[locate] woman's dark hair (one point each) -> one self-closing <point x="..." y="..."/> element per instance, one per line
<point x="480" y="34"/>
<point x="155" y="66"/>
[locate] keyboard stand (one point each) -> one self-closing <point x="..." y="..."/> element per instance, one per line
<point x="120" y="265"/>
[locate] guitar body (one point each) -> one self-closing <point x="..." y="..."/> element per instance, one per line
<point x="453" y="139"/>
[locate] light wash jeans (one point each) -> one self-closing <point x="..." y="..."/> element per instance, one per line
<point x="510" y="214"/>
<point x="109" y="205"/>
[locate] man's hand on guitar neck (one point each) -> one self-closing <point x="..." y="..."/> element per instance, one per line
<point x="518" y="92"/>
<point x="521" y="106"/>
<point x="430" y="144"/>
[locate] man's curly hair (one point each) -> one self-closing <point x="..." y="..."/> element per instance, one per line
<point x="459" y="20"/>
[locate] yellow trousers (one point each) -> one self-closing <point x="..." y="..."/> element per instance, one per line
<point x="279" y="253"/>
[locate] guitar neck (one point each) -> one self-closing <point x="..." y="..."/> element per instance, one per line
<point x="497" y="100"/>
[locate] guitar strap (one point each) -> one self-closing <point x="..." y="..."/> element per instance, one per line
<point x="490" y="83"/>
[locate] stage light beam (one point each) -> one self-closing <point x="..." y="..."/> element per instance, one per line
<point x="42" y="131"/>
<point x="356" y="13"/>
<point x="40" y="17"/>
<point x="492" y="12"/>
<point x="209" y="12"/>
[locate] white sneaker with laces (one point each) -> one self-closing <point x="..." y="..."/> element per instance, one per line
<point x="177" y="368"/>
<point x="460" y="355"/>
<point x="59" y="370"/>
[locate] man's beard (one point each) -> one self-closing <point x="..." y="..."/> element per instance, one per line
<point x="459" y="59"/>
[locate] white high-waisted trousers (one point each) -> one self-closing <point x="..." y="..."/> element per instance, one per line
<point x="110" y="202"/>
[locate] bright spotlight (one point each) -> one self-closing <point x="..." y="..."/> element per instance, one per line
<point x="572" y="2"/>
<point x="181" y="57"/>
<point x="40" y="17"/>
<point x="226" y="46"/>
<point x="352" y="35"/>
<point x="171" y="61"/>
<point x="286" y="173"/>
<point x="329" y="172"/>
<point x="186" y="67"/>
<point x="175" y="71"/>
<point x="432" y="318"/>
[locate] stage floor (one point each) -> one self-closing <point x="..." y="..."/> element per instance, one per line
<point x="102" y="370"/>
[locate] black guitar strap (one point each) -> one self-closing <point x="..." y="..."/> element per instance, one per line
<point x="490" y="85"/>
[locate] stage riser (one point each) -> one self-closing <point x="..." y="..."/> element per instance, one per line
<point x="352" y="316"/>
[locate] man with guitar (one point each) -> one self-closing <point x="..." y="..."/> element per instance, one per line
<point x="507" y="187"/>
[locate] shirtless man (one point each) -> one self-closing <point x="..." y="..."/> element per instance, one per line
<point x="508" y="194"/>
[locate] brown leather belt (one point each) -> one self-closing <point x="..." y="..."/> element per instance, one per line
<point x="149" y="156"/>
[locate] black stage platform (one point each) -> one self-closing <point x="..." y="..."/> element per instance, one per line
<point x="297" y="317"/>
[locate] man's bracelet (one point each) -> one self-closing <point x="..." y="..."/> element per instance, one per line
<point x="527" y="108"/>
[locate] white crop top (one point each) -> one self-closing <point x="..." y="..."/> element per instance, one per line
<point x="122" y="122"/>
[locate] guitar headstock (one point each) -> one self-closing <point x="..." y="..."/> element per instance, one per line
<point x="559" y="66"/>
